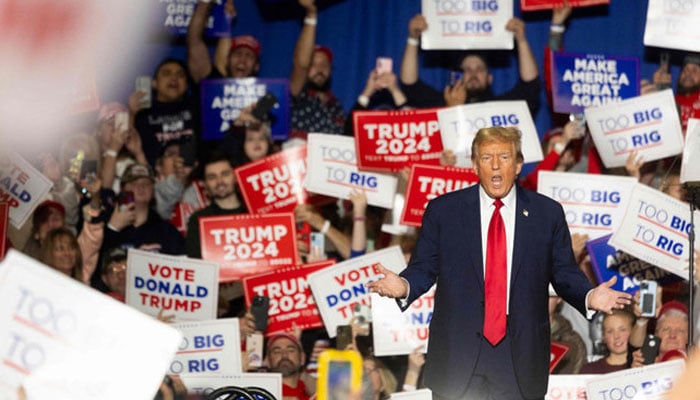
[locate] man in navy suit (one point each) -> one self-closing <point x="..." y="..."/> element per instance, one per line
<point x="467" y="357"/>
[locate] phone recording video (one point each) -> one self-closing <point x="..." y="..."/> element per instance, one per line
<point x="339" y="374"/>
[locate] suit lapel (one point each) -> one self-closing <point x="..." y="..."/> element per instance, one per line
<point x="471" y="217"/>
<point x="523" y="227"/>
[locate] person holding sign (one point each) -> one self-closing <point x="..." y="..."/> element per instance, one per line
<point x="475" y="84"/>
<point x="314" y="107"/>
<point x="493" y="249"/>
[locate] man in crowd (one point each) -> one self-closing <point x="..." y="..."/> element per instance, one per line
<point x="286" y="356"/>
<point x="220" y="185"/>
<point x="475" y="85"/>
<point x="490" y="332"/>
<point x="687" y="88"/>
<point x="314" y="107"/>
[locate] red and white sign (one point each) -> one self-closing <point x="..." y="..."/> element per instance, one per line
<point x="673" y="24"/>
<point x="535" y="5"/>
<point x="245" y="245"/>
<point x="567" y="387"/>
<point x="22" y="186"/>
<point x="61" y="339"/>
<point x="397" y="332"/>
<point x="556" y="354"/>
<point x="4" y="216"/>
<point x="208" y="347"/>
<point x="290" y="297"/>
<point x="647" y="124"/>
<point x="338" y="288"/>
<point x="459" y="124"/>
<point x="388" y="141"/>
<point x="185" y="287"/>
<point x="594" y="204"/>
<point x="274" y="183"/>
<point x="655" y="229"/>
<point x="332" y="171"/>
<point x="427" y="182"/>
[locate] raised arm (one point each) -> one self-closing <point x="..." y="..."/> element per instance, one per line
<point x="304" y="50"/>
<point x="527" y="66"/>
<point x="223" y="45"/>
<point x="409" y="63"/>
<point x="198" y="59"/>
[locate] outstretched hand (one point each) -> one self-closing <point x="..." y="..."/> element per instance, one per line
<point x="391" y="285"/>
<point x="603" y="298"/>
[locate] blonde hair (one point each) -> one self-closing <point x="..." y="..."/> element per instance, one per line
<point x="498" y="134"/>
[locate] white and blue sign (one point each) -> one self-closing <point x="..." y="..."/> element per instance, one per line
<point x="630" y="271"/>
<point x="592" y="80"/>
<point x="176" y="14"/>
<point x="223" y="100"/>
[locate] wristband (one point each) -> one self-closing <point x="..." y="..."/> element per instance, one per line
<point x="411" y="41"/>
<point x="310" y="21"/>
<point x="557" y="28"/>
<point x="361" y="218"/>
<point x="408" y="388"/>
<point x="559" y="147"/>
<point x="363" y="100"/>
<point x="109" y="153"/>
<point x="326" y="227"/>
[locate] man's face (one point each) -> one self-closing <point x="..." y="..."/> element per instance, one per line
<point x="242" y="63"/>
<point x="285" y="357"/>
<point x="689" y="80"/>
<point x="320" y="70"/>
<point x="219" y="180"/>
<point x="170" y="84"/>
<point x="497" y="167"/>
<point x="673" y="332"/>
<point x="142" y="188"/>
<point x="475" y="74"/>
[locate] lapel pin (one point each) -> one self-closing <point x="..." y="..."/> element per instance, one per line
<point x="526" y="213"/>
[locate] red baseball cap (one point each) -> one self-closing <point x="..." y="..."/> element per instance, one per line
<point x="246" y="41"/>
<point x="673" y="305"/>
<point x="272" y="339"/>
<point x="325" y="50"/>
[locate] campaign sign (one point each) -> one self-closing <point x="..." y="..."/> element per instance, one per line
<point x="690" y="170"/>
<point x="274" y="183"/>
<point x="22" y="186"/>
<point x="61" y="339"/>
<point x="291" y="301"/>
<point x="535" y="5"/>
<point x="557" y="351"/>
<point x="592" y="80"/>
<point x="185" y="287"/>
<point x="246" y="244"/>
<point x="427" y="182"/>
<point x="391" y="140"/>
<point x="647" y="124"/>
<point x="567" y="387"/>
<point x="4" y="216"/>
<point x="332" y="170"/>
<point x="459" y="124"/>
<point x="397" y="332"/>
<point x="420" y="394"/>
<point x="464" y="25"/>
<point x="223" y="99"/>
<point x="655" y="229"/>
<point x="594" y="204"/>
<point x="673" y="24"/>
<point x="176" y="15"/>
<point x="607" y="262"/>
<point x="650" y="382"/>
<point x="338" y="288"/>
<point x="203" y="385"/>
<point x="208" y="347"/>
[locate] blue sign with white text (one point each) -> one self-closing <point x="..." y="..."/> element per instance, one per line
<point x="176" y="14"/>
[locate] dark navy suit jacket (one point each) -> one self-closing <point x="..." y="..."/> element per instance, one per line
<point x="449" y="253"/>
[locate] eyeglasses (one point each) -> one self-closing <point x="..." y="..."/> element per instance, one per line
<point x="117" y="268"/>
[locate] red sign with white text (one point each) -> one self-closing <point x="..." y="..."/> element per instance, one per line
<point x="534" y="5"/>
<point x="557" y="352"/>
<point x="388" y="141"/>
<point x="290" y="297"/>
<point x="427" y="182"/>
<point x="4" y="217"/>
<point x="245" y="244"/>
<point x="274" y="183"/>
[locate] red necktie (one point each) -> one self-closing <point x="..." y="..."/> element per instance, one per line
<point x="495" y="280"/>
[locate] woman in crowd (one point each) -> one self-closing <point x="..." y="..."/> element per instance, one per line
<point x="60" y="251"/>
<point x="617" y="328"/>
